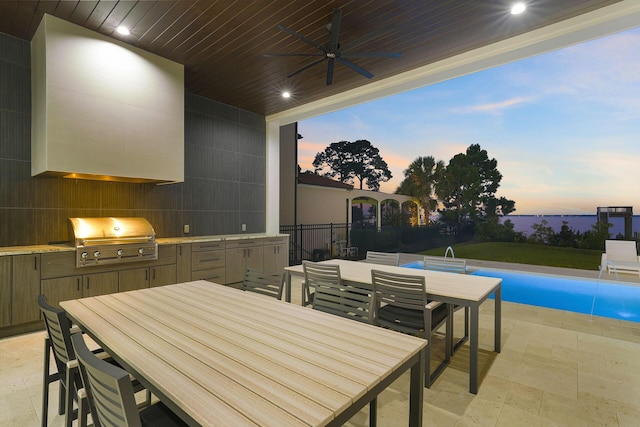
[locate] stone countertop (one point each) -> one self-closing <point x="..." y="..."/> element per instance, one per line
<point x="199" y="239"/>
<point x="38" y="249"/>
<point x="34" y="249"/>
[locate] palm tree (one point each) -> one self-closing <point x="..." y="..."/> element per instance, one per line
<point x="420" y="179"/>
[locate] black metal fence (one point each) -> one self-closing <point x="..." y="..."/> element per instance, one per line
<point x="325" y="241"/>
<point x="315" y="241"/>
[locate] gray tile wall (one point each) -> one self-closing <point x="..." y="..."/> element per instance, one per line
<point x="225" y="170"/>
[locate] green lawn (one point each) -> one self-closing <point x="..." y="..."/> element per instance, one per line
<point x="552" y="256"/>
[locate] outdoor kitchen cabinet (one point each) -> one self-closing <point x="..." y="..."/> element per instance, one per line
<point x="183" y="263"/>
<point x="149" y="276"/>
<point x="99" y="284"/>
<point x="208" y="261"/>
<point x="62" y="289"/>
<point x="25" y="288"/>
<point x="130" y="280"/>
<point x="139" y="278"/>
<point x="162" y="275"/>
<point x="5" y="291"/>
<point x="276" y="254"/>
<point x="243" y="253"/>
<point x="79" y="286"/>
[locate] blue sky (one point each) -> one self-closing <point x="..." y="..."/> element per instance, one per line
<point x="563" y="126"/>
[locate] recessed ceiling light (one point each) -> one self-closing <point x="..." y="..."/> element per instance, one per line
<point x="286" y="94"/>
<point x="123" y="30"/>
<point x="518" y="8"/>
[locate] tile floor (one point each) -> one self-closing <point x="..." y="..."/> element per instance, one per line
<point x="556" y="368"/>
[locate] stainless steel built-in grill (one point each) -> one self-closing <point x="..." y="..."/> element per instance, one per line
<point x="100" y="241"/>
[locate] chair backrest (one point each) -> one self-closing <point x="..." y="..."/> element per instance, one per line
<point x="316" y="274"/>
<point x="621" y="251"/>
<point x="109" y="389"/>
<point x="403" y="292"/>
<point x="383" y="258"/>
<point x="346" y="301"/>
<point x="264" y="283"/>
<point x="58" y="327"/>
<point x="447" y="265"/>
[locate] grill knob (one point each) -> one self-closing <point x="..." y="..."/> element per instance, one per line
<point x="141" y="251"/>
<point x="120" y="252"/>
<point x="84" y="255"/>
<point x="96" y="254"/>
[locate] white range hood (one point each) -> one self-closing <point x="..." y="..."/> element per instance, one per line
<point x="102" y="109"/>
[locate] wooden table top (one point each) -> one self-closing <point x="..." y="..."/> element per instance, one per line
<point x="225" y="356"/>
<point x="463" y="287"/>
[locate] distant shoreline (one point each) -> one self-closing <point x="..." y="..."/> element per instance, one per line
<point x="578" y="222"/>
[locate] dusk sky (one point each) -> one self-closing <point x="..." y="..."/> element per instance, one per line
<point x="563" y="126"/>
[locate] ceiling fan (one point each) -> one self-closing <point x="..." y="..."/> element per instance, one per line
<point x="333" y="51"/>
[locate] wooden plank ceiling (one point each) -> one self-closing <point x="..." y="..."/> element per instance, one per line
<point x="222" y="43"/>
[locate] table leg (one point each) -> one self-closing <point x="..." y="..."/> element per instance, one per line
<point x="287" y="291"/>
<point x="473" y="349"/>
<point x="416" y="390"/>
<point x="498" y="319"/>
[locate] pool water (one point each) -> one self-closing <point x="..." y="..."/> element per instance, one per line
<point x="612" y="300"/>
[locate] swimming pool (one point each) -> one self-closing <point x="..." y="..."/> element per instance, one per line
<point x="612" y="300"/>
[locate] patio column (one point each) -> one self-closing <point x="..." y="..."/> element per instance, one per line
<point x="272" y="219"/>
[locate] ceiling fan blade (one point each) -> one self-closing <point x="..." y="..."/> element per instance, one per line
<point x="370" y="55"/>
<point x="366" y="38"/>
<point x="355" y="68"/>
<point x="306" y="67"/>
<point x="300" y="37"/>
<point x="330" y="71"/>
<point x="336" y="18"/>
<point x="270" y="55"/>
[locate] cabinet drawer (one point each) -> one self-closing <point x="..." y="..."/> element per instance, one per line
<point x="276" y="240"/>
<point x="206" y="260"/>
<point x="244" y="243"/>
<point x="216" y="275"/>
<point x="207" y="246"/>
<point x="58" y="264"/>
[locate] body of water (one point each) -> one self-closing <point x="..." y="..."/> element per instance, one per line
<point x="581" y="223"/>
<point x="571" y="294"/>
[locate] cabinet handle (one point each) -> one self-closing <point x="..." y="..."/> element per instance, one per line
<point x="87" y="283"/>
<point x="213" y="246"/>
<point x="78" y="283"/>
<point x="180" y="252"/>
<point x="154" y="274"/>
<point x="146" y="275"/>
<point x="210" y="259"/>
<point x="35" y="262"/>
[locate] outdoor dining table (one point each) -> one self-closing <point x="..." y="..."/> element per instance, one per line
<point x="457" y="289"/>
<point x="221" y="356"/>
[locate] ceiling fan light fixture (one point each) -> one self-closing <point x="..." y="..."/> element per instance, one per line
<point x="518" y="8"/>
<point x="286" y="94"/>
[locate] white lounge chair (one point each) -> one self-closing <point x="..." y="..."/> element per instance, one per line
<point x="621" y="256"/>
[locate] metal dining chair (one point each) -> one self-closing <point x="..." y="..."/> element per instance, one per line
<point x="333" y="296"/>
<point x="110" y="394"/>
<point x="264" y="283"/>
<point x="58" y="342"/>
<point x="455" y="266"/>
<point x="316" y="274"/>
<point x="343" y="300"/>
<point x="400" y="304"/>
<point x="384" y="258"/>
